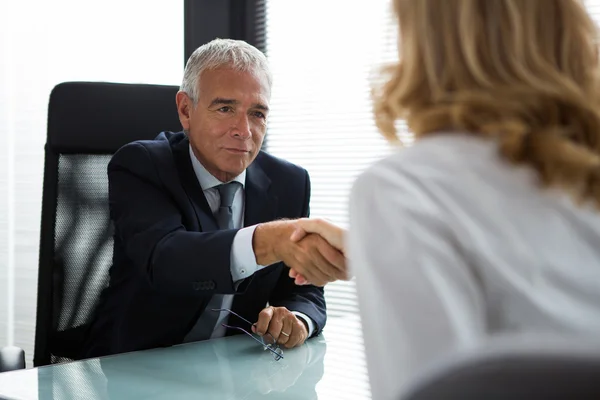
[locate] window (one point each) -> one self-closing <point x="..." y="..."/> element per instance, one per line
<point x="42" y="44"/>
<point x="321" y="113"/>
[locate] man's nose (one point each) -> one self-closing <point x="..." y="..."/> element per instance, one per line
<point x="242" y="127"/>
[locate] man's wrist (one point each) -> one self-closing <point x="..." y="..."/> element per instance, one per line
<point x="267" y="240"/>
<point x="307" y="321"/>
<point x="243" y="260"/>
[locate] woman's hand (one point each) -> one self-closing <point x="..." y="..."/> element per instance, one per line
<point x="327" y="230"/>
<point x="332" y="233"/>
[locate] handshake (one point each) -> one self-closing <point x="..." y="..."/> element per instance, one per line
<point x="312" y="248"/>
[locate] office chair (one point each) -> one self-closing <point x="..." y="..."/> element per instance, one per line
<point x="515" y="369"/>
<point x="87" y="123"/>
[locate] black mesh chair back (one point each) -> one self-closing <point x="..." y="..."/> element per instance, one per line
<point x="543" y="369"/>
<point x="87" y="123"/>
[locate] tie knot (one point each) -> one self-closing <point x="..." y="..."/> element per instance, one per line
<point x="227" y="192"/>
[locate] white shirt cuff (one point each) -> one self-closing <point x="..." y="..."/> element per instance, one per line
<point x="243" y="260"/>
<point x="309" y="322"/>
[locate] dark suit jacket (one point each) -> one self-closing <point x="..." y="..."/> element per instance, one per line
<point x="169" y="256"/>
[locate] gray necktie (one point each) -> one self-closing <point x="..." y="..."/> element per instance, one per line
<point x="205" y="325"/>
<point x="225" y="214"/>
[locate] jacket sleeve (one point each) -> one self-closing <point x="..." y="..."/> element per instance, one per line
<point x="149" y="226"/>
<point x="307" y="299"/>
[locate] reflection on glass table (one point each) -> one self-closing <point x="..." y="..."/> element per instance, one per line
<point x="331" y="366"/>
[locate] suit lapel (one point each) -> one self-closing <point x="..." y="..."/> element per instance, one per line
<point x="260" y="204"/>
<point x="191" y="186"/>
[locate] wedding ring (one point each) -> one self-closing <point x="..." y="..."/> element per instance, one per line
<point x="285" y="334"/>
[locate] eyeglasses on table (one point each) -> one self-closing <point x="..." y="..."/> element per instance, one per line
<point x="267" y="341"/>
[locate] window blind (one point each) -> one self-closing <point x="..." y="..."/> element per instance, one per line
<point x="593" y="7"/>
<point x="321" y="114"/>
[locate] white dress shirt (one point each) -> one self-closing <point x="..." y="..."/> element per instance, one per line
<point x="451" y="245"/>
<point x="243" y="259"/>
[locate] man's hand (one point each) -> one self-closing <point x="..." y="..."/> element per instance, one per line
<point x="285" y="327"/>
<point x="315" y="259"/>
<point x="312" y="256"/>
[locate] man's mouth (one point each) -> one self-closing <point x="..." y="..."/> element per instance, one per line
<point x="237" y="151"/>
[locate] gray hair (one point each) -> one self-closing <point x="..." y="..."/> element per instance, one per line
<point x="235" y="54"/>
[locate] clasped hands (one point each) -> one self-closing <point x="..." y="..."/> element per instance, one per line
<point x="316" y="253"/>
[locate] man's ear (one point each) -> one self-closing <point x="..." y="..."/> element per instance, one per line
<point x="184" y="109"/>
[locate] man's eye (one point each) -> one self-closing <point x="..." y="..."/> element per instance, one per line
<point x="259" y="114"/>
<point x="225" y="109"/>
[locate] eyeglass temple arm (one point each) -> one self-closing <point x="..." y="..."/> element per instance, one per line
<point x="234" y="313"/>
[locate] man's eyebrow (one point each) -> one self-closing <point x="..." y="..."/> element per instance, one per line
<point x="232" y="102"/>
<point x="260" y="106"/>
<point x="222" y="101"/>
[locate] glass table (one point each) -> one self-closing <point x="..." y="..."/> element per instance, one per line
<point x="331" y="366"/>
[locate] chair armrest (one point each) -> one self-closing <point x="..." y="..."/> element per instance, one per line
<point x="11" y="358"/>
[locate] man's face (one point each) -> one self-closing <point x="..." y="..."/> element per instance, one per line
<point x="227" y="126"/>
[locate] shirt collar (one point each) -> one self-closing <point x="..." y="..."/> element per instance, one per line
<point x="206" y="179"/>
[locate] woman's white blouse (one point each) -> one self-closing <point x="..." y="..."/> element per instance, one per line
<point x="451" y="245"/>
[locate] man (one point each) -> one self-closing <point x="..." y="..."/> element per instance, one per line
<point x="203" y="221"/>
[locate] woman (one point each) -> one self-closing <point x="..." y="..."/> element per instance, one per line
<point x="489" y="224"/>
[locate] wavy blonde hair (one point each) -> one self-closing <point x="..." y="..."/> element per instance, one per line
<point x="522" y="72"/>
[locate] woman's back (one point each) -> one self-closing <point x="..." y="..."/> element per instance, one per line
<point x="465" y="236"/>
<point x="451" y="244"/>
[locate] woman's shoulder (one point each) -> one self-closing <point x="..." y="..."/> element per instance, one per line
<point x="433" y="158"/>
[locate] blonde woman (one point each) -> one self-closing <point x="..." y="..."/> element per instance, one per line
<point x="489" y="224"/>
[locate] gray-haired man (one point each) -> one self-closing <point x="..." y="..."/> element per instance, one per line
<point x="203" y="221"/>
